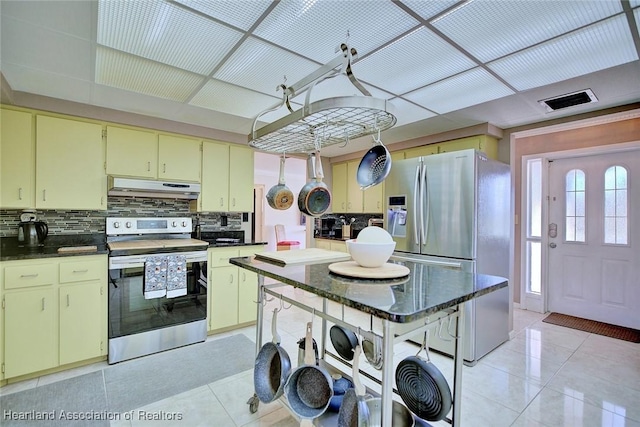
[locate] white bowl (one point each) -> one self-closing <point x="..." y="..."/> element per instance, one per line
<point x="368" y="254"/>
<point x="373" y="234"/>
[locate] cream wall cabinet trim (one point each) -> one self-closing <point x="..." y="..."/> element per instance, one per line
<point x="17" y="160"/>
<point x="132" y="152"/>
<point x="69" y="165"/>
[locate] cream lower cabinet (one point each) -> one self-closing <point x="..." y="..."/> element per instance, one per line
<point x="338" y="246"/>
<point x="227" y="178"/>
<point x="323" y="244"/>
<point x="54" y="312"/>
<point x="232" y="291"/>
<point x="17" y="158"/>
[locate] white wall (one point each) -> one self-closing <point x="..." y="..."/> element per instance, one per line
<point x="266" y="172"/>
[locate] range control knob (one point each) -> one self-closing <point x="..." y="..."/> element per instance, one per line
<point x="174" y="224"/>
<point x="184" y="223"/>
<point x="116" y="225"/>
<point x="128" y="224"/>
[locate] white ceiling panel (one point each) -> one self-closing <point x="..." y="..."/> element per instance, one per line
<point x="429" y="8"/>
<point x="599" y="46"/>
<point x="240" y="14"/>
<point x="474" y="25"/>
<point x="407" y="112"/>
<point x="227" y="98"/>
<point x="634" y="3"/>
<point x="69" y="17"/>
<point x="315" y="28"/>
<point x="148" y="29"/>
<point x="41" y="82"/>
<point x="469" y="88"/>
<point x="260" y="66"/>
<point x="424" y="56"/>
<point x="132" y="73"/>
<point x="43" y="49"/>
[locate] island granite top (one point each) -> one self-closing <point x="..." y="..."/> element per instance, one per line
<point x="425" y="291"/>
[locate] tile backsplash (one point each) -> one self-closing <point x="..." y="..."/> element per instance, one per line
<point x="84" y="222"/>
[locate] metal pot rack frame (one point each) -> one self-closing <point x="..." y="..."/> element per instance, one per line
<point x="389" y="340"/>
<point x="332" y="120"/>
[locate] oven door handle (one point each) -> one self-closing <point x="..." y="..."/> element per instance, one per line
<point x="134" y="261"/>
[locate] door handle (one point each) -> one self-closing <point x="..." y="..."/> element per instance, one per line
<point x="552" y="245"/>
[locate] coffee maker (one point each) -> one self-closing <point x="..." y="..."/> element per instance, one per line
<point x="30" y="231"/>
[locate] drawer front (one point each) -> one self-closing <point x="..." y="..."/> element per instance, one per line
<point x="220" y="257"/>
<point x="82" y="271"/>
<point x="251" y="250"/>
<point x="25" y="276"/>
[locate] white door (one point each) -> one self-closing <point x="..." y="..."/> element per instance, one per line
<point x="594" y="251"/>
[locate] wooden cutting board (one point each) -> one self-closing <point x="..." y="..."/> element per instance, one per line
<point x="352" y="269"/>
<point x="302" y="256"/>
<point x="73" y="249"/>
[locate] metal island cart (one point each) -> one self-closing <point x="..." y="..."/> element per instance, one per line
<point x="428" y="292"/>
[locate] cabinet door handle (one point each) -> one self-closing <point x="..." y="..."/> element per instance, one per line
<point x="378" y="204"/>
<point x="43" y="304"/>
<point x="221" y="201"/>
<point x="81" y="271"/>
<point x="67" y="300"/>
<point x="29" y="275"/>
<point x="148" y="166"/>
<point x="44" y="195"/>
<point x="234" y="201"/>
<point x="20" y="193"/>
<point x="231" y="278"/>
<point x="164" y="168"/>
<point x="244" y="276"/>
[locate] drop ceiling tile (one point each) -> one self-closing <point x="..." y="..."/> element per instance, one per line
<point x="227" y="98"/>
<point x="42" y="82"/>
<point x="407" y="112"/>
<point x="165" y="33"/>
<point x="492" y="29"/>
<point x="32" y="46"/>
<point x="261" y="66"/>
<point x="415" y="60"/>
<point x="240" y="14"/>
<point x="634" y="3"/>
<point x="339" y="85"/>
<point x="315" y="28"/>
<point x="597" y="47"/>
<point x="132" y="73"/>
<point x="429" y="8"/>
<point x="469" y="88"/>
<point x="69" y="17"/>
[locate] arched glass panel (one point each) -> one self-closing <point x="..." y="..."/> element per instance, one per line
<point x="575" y="206"/>
<point x="615" y="206"/>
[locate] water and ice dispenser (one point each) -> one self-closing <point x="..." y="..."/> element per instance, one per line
<point x="397" y="216"/>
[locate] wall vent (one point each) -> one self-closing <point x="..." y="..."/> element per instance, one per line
<point x="585" y="96"/>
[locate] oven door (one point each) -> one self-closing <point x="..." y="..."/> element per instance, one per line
<point x="130" y="313"/>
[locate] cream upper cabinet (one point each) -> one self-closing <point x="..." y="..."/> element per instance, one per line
<point x="214" y="193"/>
<point x="70" y="170"/>
<point x="227" y="178"/>
<point x="354" y="193"/>
<point x="17" y="158"/>
<point x="373" y="196"/>
<point x="132" y="152"/>
<point x="339" y="188"/>
<point x="425" y="150"/>
<point x="487" y="144"/>
<point x="240" y="179"/>
<point x="179" y="158"/>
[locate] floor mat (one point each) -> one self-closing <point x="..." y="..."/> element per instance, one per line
<point x="594" y="327"/>
<point x="146" y="380"/>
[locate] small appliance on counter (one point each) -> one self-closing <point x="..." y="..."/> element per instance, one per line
<point x="30" y="231"/>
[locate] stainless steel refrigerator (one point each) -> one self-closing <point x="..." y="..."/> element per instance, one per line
<point x="452" y="209"/>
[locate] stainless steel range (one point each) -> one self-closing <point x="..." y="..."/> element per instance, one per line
<point x="157" y="294"/>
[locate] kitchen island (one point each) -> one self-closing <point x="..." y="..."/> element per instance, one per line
<point x="426" y="291"/>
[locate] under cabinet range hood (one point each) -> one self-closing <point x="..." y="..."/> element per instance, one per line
<point x="157" y="189"/>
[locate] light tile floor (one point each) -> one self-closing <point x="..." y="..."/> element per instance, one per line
<point x="545" y="376"/>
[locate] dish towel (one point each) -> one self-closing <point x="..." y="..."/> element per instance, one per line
<point x="176" y="276"/>
<point x="155" y="277"/>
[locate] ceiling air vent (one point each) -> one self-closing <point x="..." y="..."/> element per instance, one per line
<point x="569" y="100"/>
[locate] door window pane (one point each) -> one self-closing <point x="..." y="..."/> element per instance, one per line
<point x="575" y="206"/>
<point x="615" y="206"/>
<point x="535" y="198"/>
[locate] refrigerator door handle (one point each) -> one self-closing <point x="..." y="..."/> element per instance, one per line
<point x="424" y="218"/>
<point x="416" y="201"/>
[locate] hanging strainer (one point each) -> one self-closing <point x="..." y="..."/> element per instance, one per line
<point x="374" y="166"/>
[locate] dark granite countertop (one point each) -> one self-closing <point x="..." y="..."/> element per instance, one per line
<point x="427" y="290"/>
<point x="11" y="249"/>
<point x="211" y="237"/>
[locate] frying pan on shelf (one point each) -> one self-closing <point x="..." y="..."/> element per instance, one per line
<point x="422" y="386"/>
<point x="272" y="367"/>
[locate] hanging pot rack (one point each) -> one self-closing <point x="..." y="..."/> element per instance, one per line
<point x="333" y="120"/>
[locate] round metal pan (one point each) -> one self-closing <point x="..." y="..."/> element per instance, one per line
<point x="272" y="367"/>
<point x="344" y="341"/>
